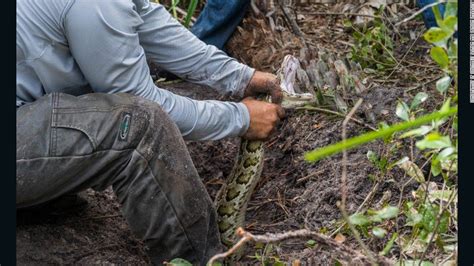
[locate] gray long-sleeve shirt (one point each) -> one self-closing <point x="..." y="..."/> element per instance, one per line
<point x="73" y="46"/>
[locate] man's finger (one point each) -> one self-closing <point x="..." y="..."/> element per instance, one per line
<point x="277" y="95"/>
<point x="281" y="112"/>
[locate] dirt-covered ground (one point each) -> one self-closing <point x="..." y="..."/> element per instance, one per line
<point x="293" y="193"/>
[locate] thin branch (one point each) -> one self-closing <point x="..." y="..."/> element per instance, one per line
<point x="303" y="233"/>
<point x="420" y="11"/>
<point x="403" y="58"/>
<point x="366" y="200"/>
<point x="438" y="222"/>
<point x="232" y="250"/>
<point x="343" y="14"/>
<point x="313" y="108"/>
<point x="342" y="204"/>
<point x="344" y="153"/>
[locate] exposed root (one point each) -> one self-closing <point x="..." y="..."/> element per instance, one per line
<point x="354" y="256"/>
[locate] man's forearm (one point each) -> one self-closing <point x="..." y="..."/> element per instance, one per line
<point x="203" y="120"/>
<point x="171" y="46"/>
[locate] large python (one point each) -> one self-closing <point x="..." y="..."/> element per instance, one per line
<point x="231" y="202"/>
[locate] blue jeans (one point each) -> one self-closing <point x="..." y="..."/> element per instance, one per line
<point x="218" y="20"/>
<point x="428" y="15"/>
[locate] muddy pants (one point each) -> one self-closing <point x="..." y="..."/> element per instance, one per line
<point x="66" y="144"/>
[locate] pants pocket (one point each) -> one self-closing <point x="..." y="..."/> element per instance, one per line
<point x="82" y="130"/>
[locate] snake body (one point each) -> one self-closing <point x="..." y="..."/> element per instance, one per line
<point x="231" y="202"/>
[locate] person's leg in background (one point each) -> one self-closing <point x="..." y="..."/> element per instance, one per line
<point x="428" y="15"/>
<point x="66" y="144"/>
<point x="218" y="20"/>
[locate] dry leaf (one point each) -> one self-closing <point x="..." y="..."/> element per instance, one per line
<point x="340" y="238"/>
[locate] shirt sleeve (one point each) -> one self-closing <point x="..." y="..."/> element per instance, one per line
<point x="174" y="48"/>
<point x="104" y="42"/>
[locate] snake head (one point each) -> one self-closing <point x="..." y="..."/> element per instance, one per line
<point x="287" y="74"/>
<point x="287" y="77"/>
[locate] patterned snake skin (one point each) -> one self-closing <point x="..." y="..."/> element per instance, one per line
<point x="231" y="203"/>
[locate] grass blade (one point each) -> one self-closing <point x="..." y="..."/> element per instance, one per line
<point x="319" y="154"/>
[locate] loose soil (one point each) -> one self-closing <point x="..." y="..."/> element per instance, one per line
<point x="293" y="193"/>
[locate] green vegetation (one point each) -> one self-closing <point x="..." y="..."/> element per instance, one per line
<point x="431" y="212"/>
<point x="188" y="5"/>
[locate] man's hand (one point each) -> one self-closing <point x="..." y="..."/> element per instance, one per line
<point x="263" y="118"/>
<point x="264" y="83"/>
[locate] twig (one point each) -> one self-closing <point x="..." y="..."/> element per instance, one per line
<point x="342" y="205"/>
<point x="103" y="217"/>
<point x="233" y="249"/>
<point x="403" y="58"/>
<point x="313" y="108"/>
<point x="344" y="153"/>
<point x="438" y="222"/>
<point x="420" y="11"/>
<point x="308" y="176"/>
<point x="293" y="24"/>
<point x="255" y="9"/>
<point x="367" y="199"/>
<point x="423" y="84"/>
<point x="343" y="14"/>
<point x="270" y="238"/>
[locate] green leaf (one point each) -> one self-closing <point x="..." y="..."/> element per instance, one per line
<point x="453" y="49"/>
<point x="386" y="213"/>
<point x="379" y="232"/>
<point x="403" y="111"/>
<point x="348" y="24"/>
<point x="450" y="164"/>
<point x="411" y="169"/>
<point x="413" y="218"/>
<point x="429" y="217"/>
<point x="279" y="263"/>
<point x="451" y="9"/>
<point x="445" y="105"/>
<point x="444" y="222"/>
<point x="434" y="141"/>
<point x="437" y="14"/>
<point x="419" y="98"/>
<point x="435" y="167"/>
<point x="444" y="195"/>
<point x="449" y="25"/>
<point x="435" y="35"/>
<point x="421" y="131"/>
<point x="359" y="219"/>
<point x="373" y="158"/>
<point x="443" y="84"/>
<point x="439" y="56"/>
<point x="389" y="245"/>
<point x="310" y="243"/>
<point x="179" y="262"/>
<point x="444" y="154"/>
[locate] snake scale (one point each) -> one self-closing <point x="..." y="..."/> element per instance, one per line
<point x="231" y="202"/>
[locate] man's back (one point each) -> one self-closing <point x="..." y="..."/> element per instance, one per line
<point x="44" y="62"/>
